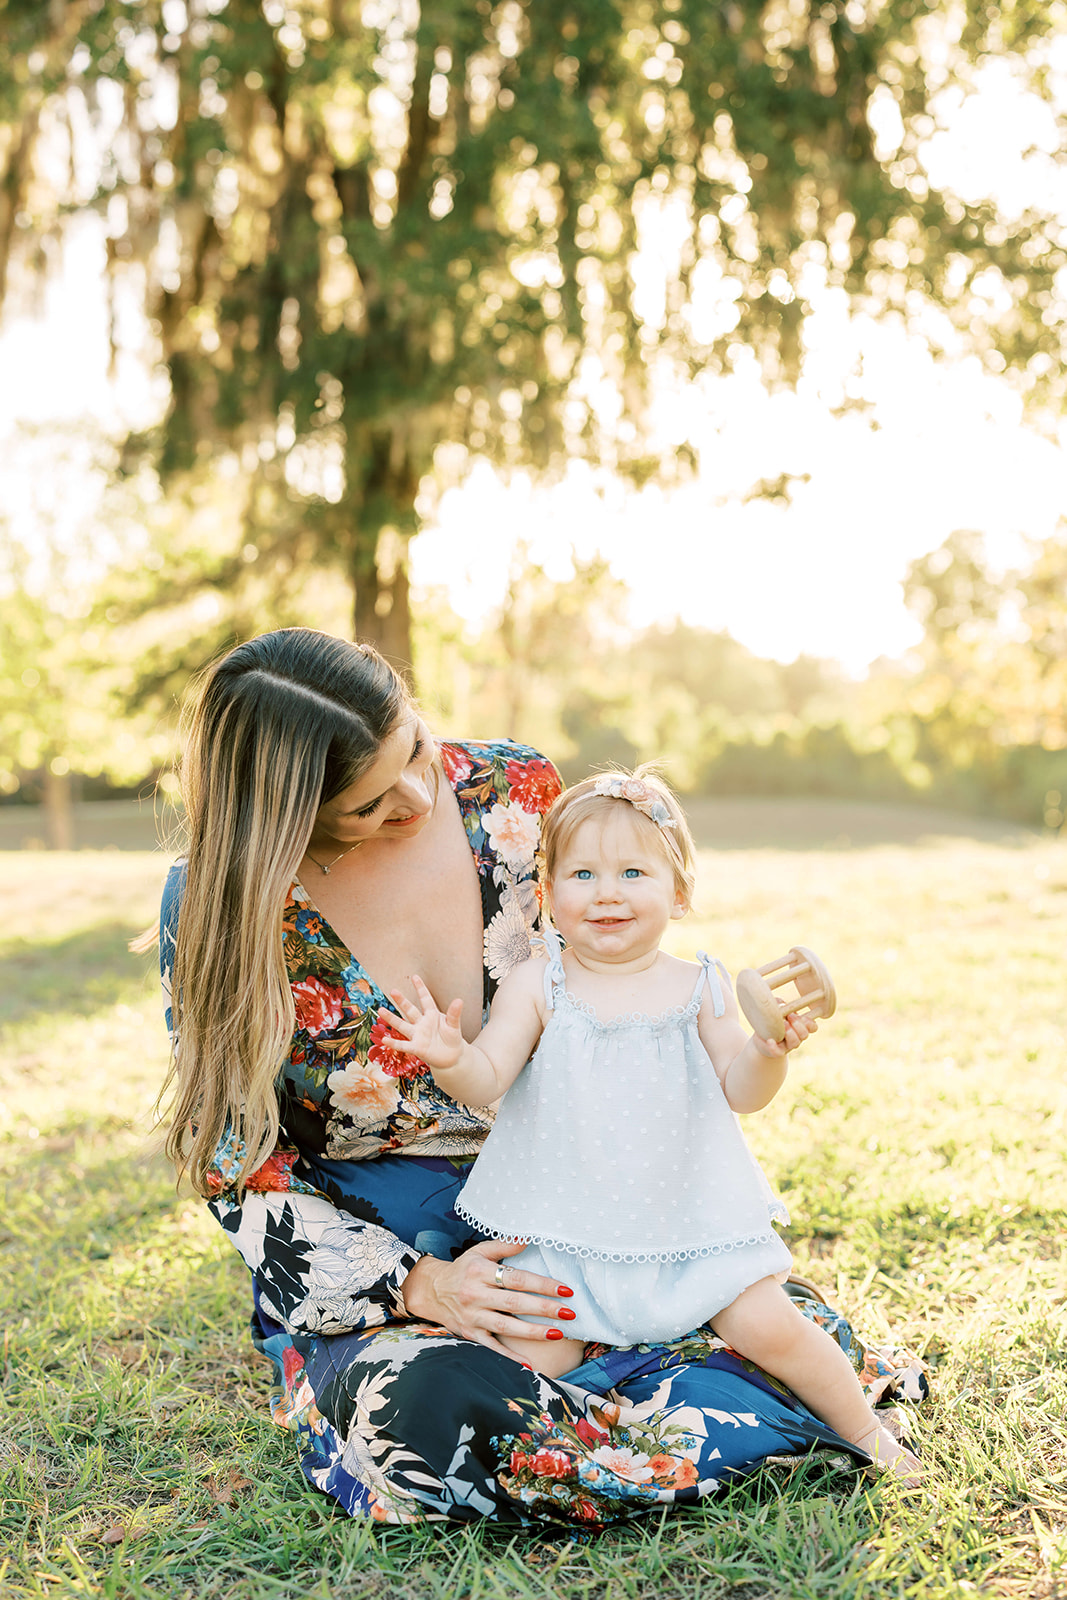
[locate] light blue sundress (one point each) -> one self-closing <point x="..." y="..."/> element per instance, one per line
<point x="616" y="1155"/>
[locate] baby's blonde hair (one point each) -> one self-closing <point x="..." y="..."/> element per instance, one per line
<point x="581" y="802"/>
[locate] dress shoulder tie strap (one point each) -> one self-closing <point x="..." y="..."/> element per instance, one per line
<point x="554" y="974"/>
<point x="713" y="971"/>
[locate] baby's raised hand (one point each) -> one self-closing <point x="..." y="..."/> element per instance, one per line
<point x="428" y="1033"/>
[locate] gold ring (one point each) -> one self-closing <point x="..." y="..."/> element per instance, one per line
<point x="498" y="1275"/>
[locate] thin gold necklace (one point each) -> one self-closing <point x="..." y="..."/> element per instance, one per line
<point x="325" y="870"/>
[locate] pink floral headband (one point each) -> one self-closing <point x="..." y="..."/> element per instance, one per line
<point x="640" y="795"/>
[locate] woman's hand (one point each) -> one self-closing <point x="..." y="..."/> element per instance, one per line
<point x="464" y="1297"/>
<point x="428" y="1033"/>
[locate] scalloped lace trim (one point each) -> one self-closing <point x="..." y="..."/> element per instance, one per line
<point x="586" y="1253"/>
<point x="630" y="1019"/>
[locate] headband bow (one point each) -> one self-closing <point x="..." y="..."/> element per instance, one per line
<point x="640" y="795"/>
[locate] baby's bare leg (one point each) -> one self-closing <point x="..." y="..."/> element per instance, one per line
<point x="763" y="1325"/>
<point x="553" y="1357"/>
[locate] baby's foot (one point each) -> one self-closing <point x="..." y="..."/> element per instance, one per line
<point x="889" y="1455"/>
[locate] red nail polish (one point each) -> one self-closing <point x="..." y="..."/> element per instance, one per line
<point x="526" y="1367"/>
<point x="554" y="1333"/>
<point x="565" y="1314"/>
<point x="561" y="1289"/>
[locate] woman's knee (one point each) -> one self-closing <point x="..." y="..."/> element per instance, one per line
<point x="440" y="1384"/>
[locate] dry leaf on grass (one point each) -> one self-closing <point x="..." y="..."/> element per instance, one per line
<point x="118" y="1533"/>
<point x="552" y="1553"/>
<point x="224" y="1494"/>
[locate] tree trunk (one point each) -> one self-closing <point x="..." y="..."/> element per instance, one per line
<point x="382" y="611"/>
<point x="58" y="810"/>
<point x="382" y="482"/>
<point x="516" y="659"/>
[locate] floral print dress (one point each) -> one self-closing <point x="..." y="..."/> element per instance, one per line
<point x="403" y="1421"/>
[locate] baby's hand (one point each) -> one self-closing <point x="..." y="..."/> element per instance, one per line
<point x="798" y="1027"/>
<point x="432" y="1036"/>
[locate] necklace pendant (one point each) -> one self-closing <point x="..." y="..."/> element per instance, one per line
<point x="324" y="870"/>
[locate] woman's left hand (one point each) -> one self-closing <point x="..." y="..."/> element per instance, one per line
<point x="467" y="1296"/>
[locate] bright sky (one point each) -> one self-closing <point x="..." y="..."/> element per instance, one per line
<point x="820" y="575"/>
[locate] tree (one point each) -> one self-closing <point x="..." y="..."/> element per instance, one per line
<point x="549" y="631"/>
<point x="548" y="666"/>
<point x="66" y="666"/>
<point x="988" y="705"/>
<point x="953" y="593"/>
<point x="364" y="230"/>
<point x="60" y="711"/>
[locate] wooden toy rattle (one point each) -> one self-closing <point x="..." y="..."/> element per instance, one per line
<point x="765" y="1011"/>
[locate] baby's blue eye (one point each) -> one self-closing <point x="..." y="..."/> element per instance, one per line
<point x="632" y="872"/>
<point x="582" y="874"/>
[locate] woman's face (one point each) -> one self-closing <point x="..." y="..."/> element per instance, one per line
<point x="394" y="797"/>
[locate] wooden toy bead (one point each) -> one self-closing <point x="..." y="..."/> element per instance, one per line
<point x="766" y="1012"/>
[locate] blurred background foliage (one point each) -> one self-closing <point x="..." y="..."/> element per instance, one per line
<point x="373" y="241"/>
<point x="974" y="717"/>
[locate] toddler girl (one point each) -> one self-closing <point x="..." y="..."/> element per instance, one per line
<point x="617" y="1153"/>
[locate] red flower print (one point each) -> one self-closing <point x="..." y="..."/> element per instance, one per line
<point x="392" y="1062"/>
<point x="275" y="1174"/>
<point x="587" y="1510"/>
<point x="533" y="785"/>
<point x="518" y="1461"/>
<point x="319" y="1005"/>
<point x="552" y="1464"/>
<point x="292" y="1364"/>
<point x="590" y="1435"/>
<point x="457" y="763"/>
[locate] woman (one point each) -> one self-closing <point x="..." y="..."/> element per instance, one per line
<point x="333" y="851"/>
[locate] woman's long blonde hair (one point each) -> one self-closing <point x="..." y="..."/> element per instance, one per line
<point x="280" y="725"/>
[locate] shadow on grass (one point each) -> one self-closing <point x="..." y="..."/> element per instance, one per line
<point x="76" y="976"/>
<point x="76" y="1215"/>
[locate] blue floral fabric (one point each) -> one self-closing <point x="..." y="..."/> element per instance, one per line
<point x="402" y="1421"/>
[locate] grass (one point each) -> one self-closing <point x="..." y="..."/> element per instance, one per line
<point x="918" y="1143"/>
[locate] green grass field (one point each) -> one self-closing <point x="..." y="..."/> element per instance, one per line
<point x="919" y="1143"/>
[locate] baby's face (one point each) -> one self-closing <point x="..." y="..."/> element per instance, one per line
<point x="613" y="892"/>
